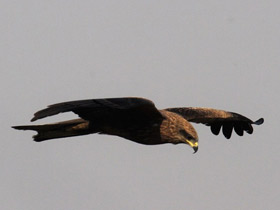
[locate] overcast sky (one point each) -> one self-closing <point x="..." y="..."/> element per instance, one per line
<point x="219" y="54"/>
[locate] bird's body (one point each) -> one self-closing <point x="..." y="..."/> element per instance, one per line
<point x="152" y="132"/>
<point x="138" y="120"/>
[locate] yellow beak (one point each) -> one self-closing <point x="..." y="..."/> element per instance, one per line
<point x="194" y="145"/>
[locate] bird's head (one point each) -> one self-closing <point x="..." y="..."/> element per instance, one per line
<point x="175" y="129"/>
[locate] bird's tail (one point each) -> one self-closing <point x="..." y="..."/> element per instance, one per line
<point x="58" y="130"/>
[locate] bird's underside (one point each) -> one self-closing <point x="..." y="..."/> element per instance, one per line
<point x="138" y="120"/>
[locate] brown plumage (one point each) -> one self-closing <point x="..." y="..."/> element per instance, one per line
<point x="138" y="120"/>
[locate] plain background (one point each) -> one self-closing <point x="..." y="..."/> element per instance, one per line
<point x="219" y="54"/>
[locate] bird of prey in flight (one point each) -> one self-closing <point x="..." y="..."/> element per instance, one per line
<point x="138" y="120"/>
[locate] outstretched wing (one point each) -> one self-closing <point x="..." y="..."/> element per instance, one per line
<point x="218" y="119"/>
<point x="108" y="108"/>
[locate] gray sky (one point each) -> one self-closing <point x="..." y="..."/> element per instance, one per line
<point x="219" y="54"/>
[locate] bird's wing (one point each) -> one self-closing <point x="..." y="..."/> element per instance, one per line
<point x="218" y="119"/>
<point x="104" y="108"/>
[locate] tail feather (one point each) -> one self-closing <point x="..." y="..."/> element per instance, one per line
<point x="58" y="130"/>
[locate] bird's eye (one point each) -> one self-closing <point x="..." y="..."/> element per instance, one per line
<point x="186" y="135"/>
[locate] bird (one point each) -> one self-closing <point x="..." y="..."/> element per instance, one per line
<point x="137" y="119"/>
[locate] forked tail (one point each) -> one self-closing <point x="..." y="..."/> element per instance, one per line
<point x="58" y="130"/>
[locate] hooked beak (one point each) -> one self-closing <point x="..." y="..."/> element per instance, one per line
<point x="194" y="145"/>
<point x="195" y="149"/>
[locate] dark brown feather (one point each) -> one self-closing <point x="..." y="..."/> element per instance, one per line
<point x="217" y="119"/>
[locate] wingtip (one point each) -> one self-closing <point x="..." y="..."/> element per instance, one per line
<point x="259" y="121"/>
<point x="35" y="117"/>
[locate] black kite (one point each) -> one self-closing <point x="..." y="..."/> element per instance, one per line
<point x="138" y="120"/>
